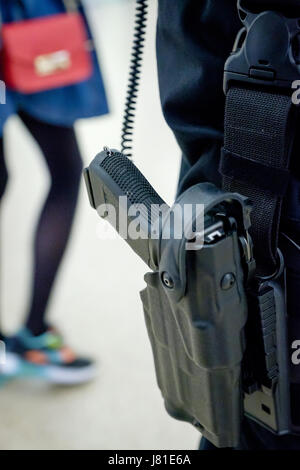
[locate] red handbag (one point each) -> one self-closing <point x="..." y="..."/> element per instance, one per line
<point x="46" y="53"/>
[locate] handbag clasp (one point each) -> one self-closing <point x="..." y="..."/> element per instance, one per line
<point x="48" y="64"/>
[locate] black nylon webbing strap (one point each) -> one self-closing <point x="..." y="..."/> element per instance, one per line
<point x="259" y="129"/>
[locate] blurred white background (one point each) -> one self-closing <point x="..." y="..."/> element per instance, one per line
<point x="96" y="301"/>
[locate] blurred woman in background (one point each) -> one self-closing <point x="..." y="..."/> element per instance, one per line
<point x="52" y="80"/>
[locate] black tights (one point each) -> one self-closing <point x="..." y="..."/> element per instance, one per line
<point x="62" y="156"/>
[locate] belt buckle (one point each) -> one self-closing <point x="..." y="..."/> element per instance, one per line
<point x="265" y="50"/>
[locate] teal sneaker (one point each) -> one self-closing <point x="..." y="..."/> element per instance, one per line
<point x="47" y="357"/>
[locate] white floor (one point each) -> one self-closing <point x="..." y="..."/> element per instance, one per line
<point x="96" y="301"/>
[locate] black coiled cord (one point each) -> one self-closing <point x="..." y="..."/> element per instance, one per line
<point x="134" y="77"/>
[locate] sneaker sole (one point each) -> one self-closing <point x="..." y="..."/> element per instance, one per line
<point x="70" y="376"/>
<point x="15" y="367"/>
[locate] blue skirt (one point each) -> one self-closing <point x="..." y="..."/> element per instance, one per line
<point x="60" y="106"/>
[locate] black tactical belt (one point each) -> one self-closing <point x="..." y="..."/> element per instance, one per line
<point x="260" y="121"/>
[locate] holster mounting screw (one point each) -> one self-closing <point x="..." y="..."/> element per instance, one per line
<point x="227" y="281"/>
<point x="167" y="280"/>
